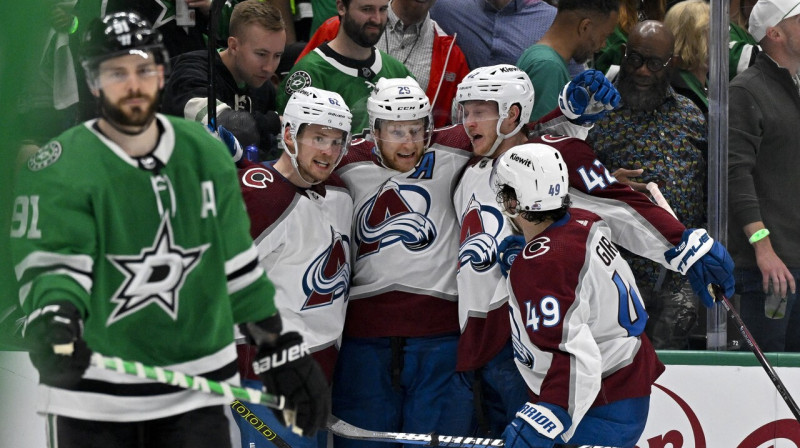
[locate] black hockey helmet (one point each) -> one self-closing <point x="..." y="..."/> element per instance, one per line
<point x="119" y="34"/>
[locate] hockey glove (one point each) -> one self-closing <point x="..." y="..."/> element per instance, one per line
<point x="537" y="426"/>
<point x="588" y="97"/>
<point x="55" y="327"/>
<point x="230" y="141"/>
<point x="507" y="252"/>
<point x="705" y="261"/>
<point x="287" y="368"/>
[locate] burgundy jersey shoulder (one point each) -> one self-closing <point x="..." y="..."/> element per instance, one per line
<point x="360" y="149"/>
<point x="452" y="136"/>
<point x="267" y="194"/>
<point x="335" y="181"/>
<point x="588" y="175"/>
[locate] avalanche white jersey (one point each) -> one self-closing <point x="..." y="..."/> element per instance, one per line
<point x="482" y="228"/>
<point x="303" y="242"/>
<point x="634" y="221"/>
<point x="404" y="240"/>
<point x="577" y="319"/>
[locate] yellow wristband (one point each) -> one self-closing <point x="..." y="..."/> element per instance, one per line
<point x="758" y="236"/>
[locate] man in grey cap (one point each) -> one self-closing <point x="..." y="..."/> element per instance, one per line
<point x="762" y="178"/>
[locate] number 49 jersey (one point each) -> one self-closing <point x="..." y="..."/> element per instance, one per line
<point x="633" y="221"/>
<point x="577" y="320"/>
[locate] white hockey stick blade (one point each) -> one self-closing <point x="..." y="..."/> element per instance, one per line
<point x="346" y="430"/>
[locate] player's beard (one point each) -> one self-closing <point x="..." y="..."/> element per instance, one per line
<point x="358" y="34"/>
<point x="139" y="116"/>
<point x="649" y="99"/>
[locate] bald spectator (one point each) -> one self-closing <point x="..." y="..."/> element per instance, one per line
<point x="580" y="28"/>
<point x="659" y="136"/>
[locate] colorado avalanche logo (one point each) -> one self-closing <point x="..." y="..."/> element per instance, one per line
<point x="390" y="217"/>
<point x="480" y="225"/>
<point x="328" y="277"/>
<point x="521" y="352"/>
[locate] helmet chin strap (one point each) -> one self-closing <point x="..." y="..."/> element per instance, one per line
<point x="293" y="158"/>
<point x="510" y="218"/>
<point x="501" y="137"/>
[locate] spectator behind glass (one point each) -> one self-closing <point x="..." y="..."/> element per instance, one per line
<point x="322" y="10"/>
<point x="245" y="101"/>
<point x="631" y="12"/>
<point x="659" y="136"/>
<point x="350" y="64"/>
<point x="762" y="177"/>
<point x="688" y="21"/>
<point x="493" y="32"/>
<point x="743" y="47"/>
<point x="580" y="28"/>
<point x="415" y="39"/>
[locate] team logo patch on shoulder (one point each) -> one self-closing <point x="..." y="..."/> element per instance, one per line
<point x="537" y="247"/>
<point x="45" y="156"/>
<point x="258" y="177"/>
<point x="297" y="81"/>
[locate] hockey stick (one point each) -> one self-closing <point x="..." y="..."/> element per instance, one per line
<point x="748" y="337"/>
<point x="652" y="187"/>
<point x="258" y="424"/>
<point x="344" y="429"/>
<point x="213" y="19"/>
<point x="178" y="379"/>
<point x="241" y="394"/>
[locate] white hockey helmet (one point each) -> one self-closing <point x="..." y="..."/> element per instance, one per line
<point x="311" y="105"/>
<point x="399" y="99"/>
<point x="536" y="172"/>
<point x="504" y="84"/>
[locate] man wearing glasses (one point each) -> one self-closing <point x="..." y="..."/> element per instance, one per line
<point x="657" y="135"/>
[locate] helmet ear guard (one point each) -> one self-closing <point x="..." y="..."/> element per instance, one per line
<point x="120" y="34"/>
<point x="311" y="105"/>
<point x="537" y="174"/>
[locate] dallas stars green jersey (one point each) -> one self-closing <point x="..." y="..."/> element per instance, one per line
<point x="353" y="80"/>
<point x="154" y="251"/>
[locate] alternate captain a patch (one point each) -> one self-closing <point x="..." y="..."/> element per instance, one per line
<point x="297" y="81"/>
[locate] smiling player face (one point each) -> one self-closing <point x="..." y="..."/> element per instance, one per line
<point x="401" y="143"/>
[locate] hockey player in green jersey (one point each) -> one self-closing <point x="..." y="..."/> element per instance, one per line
<point x="130" y="238"/>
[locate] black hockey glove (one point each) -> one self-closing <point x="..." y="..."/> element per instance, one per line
<point x="50" y="330"/>
<point x="287" y="368"/>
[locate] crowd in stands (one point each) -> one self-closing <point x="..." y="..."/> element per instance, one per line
<point x="279" y="79"/>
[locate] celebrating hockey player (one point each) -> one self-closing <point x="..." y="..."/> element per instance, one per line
<point x="401" y="331"/>
<point x="300" y="219"/>
<point x="400" y="338"/>
<point x="577" y="321"/>
<point x="130" y="239"/>
<point x="492" y="102"/>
